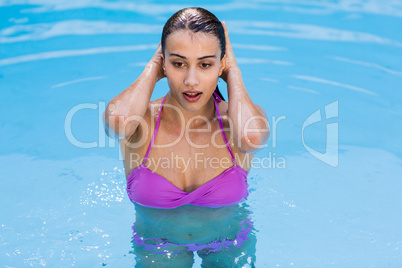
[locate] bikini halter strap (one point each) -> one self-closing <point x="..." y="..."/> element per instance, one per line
<point x="155" y="131"/>
<point x="216" y="100"/>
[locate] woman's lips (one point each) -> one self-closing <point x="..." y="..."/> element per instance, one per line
<point x="192" y="96"/>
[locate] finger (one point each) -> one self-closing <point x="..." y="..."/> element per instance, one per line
<point x="159" y="50"/>
<point x="226" y="32"/>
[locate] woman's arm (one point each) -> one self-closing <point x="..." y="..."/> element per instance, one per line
<point x="125" y="111"/>
<point x="250" y="123"/>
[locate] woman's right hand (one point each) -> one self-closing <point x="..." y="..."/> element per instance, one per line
<point x="157" y="62"/>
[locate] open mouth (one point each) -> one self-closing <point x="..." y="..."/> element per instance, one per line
<point x="192" y="96"/>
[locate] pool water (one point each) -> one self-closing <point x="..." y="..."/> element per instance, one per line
<point x="325" y="192"/>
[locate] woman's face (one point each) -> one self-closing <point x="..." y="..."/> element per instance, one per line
<point x="192" y="66"/>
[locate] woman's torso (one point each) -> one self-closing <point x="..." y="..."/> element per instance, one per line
<point x="192" y="224"/>
<point x="187" y="162"/>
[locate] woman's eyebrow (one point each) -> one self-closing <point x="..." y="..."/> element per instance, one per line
<point x="201" y="58"/>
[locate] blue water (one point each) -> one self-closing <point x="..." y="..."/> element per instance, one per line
<point x="319" y="198"/>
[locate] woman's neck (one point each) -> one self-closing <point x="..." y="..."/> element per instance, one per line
<point x="182" y="118"/>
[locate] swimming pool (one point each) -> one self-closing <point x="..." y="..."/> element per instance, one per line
<point x="326" y="190"/>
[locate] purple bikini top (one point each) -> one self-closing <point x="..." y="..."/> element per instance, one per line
<point x="149" y="189"/>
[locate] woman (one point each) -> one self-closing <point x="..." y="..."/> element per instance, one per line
<point x="201" y="145"/>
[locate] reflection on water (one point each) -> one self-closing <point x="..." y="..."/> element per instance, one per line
<point x="223" y="235"/>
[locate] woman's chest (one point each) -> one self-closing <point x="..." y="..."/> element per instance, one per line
<point x="188" y="169"/>
<point x="187" y="159"/>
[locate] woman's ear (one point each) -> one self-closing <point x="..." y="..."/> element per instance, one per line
<point x="223" y="65"/>
<point x="163" y="65"/>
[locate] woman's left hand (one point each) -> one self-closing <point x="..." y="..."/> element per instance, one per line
<point x="229" y="58"/>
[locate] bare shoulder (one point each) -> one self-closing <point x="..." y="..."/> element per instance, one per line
<point x="244" y="160"/>
<point x="150" y="116"/>
<point x="135" y="146"/>
<point x="142" y="135"/>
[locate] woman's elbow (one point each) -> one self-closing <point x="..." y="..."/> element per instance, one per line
<point x="252" y="142"/>
<point x="115" y="124"/>
<point x="111" y="125"/>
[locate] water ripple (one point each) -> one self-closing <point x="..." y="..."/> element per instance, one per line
<point x="71" y="53"/>
<point x="270" y="80"/>
<point x="390" y="8"/>
<point x="40" y="31"/>
<point x="265" y="61"/>
<point x="304" y="89"/>
<point x="367" y="64"/>
<point x="305" y="31"/>
<point x="333" y="83"/>
<point x="259" y="47"/>
<point x="78" y="81"/>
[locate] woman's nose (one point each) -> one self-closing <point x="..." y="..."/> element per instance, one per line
<point x="191" y="79"/>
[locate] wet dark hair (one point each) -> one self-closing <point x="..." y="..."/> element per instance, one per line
<point x="195" y="19"/>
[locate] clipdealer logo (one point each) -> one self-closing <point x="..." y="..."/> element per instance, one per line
<point x="331" y="154"/>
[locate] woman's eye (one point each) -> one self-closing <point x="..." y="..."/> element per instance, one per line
<point x="177" y="64"/>
<point x="205" y="65"/>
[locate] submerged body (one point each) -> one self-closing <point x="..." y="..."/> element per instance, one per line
<point x="222" y="237"/>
